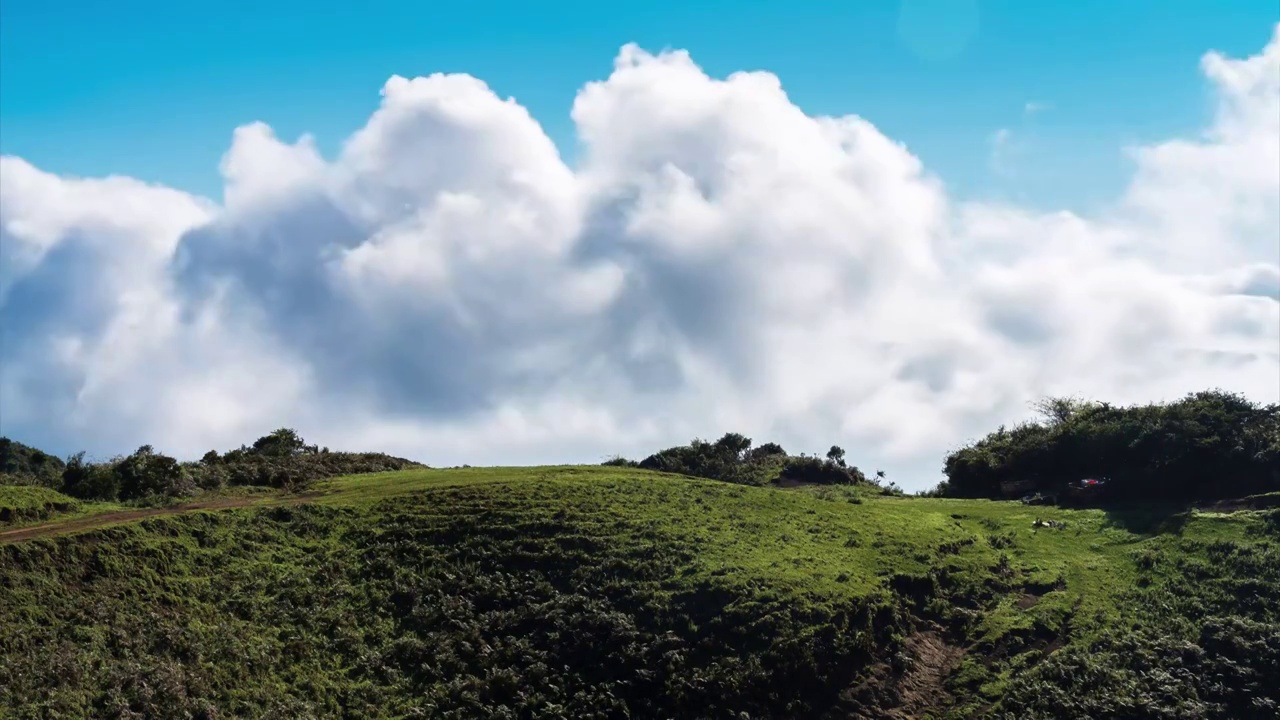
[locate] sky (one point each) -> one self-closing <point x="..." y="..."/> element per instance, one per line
<point x="500" y="232"/>
<point x="152" y="88"/>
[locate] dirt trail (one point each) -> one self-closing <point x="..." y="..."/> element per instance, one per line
<point x="89" y="522"/>
<point x="922" y="687"/>
<point x="920" y="691"/>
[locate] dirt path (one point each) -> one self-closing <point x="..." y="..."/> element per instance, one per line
<point x="920" y="691"/>
<point x="89" y="522"/>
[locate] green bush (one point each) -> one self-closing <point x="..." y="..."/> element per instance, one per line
<point x="619" y="461"/>
<point x="280" y="459"/>
<point x="89" y="481"/>
<point x="1209" y="445"/>
<point x="146" y="474"/>
<point x="24" y="465"/>
<point x="767" y="450"/>
<point x="817" y="471"/>
<point x="247" y="466"/>
<point x="733" y="459"/>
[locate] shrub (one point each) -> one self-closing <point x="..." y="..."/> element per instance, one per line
<point x="280" y="460"/>
<point x="206" y="476"/>
<point x="767" y="450"/>
<point x="732" y="459"/>
<point x="1208" y="445"/>
<point x="89" y="481"/>
<point x="619" y="461"/>
<point x="284" y="442"/>
<point x="836" y="455"/>
<point x="817" y="471"/>
<point x="24" y="465"/>
<point x="147" y="473"/>
<point x="728" y="459"/>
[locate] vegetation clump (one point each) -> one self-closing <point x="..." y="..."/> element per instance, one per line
<point x="283" y="460"/>
<point x="280" y="459"/>
<point x="1207" y="446"/>
<point x="24" y="465"/>
<point x="733" y="459"/>
<point x="25" y="503"/>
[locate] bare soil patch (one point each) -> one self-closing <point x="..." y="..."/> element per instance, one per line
<point x="918" y="689"/>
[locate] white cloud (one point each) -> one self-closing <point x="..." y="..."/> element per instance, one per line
<point x="1034" y="107"/>
<point x="448" y="288"/>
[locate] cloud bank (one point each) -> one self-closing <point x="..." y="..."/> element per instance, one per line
<point x="449" y="289"/>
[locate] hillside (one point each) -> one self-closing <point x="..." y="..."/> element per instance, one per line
<point x="26" y="503"/>
<point x="617" y="592"/>
<point x="20" y="463"/>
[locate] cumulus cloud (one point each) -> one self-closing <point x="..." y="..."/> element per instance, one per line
<point x="448" y="288"/>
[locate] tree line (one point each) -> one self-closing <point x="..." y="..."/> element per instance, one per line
<point x="733" y="458"/>
<point x="1207" y="445"/>
<point x="281" y="459"/>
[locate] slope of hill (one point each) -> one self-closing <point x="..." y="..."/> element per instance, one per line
<point x="28" y="503"/>
<point x="617" y="592"/>
<point x="20" y="463"/>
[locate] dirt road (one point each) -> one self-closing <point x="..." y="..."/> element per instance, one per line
<point x="89" y="522"/>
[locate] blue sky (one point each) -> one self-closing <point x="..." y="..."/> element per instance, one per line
<point x="154" y="88"/>
<point x="448" y="290"/>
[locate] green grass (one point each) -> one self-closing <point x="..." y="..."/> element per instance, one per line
<point x="804" y="539"/>
<point x="24" y="506"/>
<point x="601" y="591"/>
<point x="27" y="503"/>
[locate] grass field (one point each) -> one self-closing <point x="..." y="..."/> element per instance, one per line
<point x="28" y="503"/>
<point x="612" y="592"/>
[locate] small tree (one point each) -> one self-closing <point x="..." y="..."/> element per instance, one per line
<point x="146" y="473"/>
<point x="88" y="481"/>
<point x="1057" y="410"/>
<point x="284" y="442"/>
<point x="836" y="455"/>
<point x="733" y="445"/>
<point x="769" y="449"/>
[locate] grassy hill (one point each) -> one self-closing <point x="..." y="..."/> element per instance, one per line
<point x="24" y="465"/>
<point x="26" y="503"/>
<point x="612" y="592"/>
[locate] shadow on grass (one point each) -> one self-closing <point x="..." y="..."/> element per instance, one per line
<point x="1172" y="517"/>
<point x="1148" y="519"/>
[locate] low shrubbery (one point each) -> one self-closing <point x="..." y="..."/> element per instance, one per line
<point x="733" y="459"/>
<point x="24" y="465"/>
<point x="1207" y="446"/>
<point x="830" y="470"/>
<point x="247" y="466"/>
<point x="281" y="459"/>
<point x="1202" y="641"/>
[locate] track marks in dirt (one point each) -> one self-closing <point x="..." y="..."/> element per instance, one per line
<point x="91" y="522"/>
